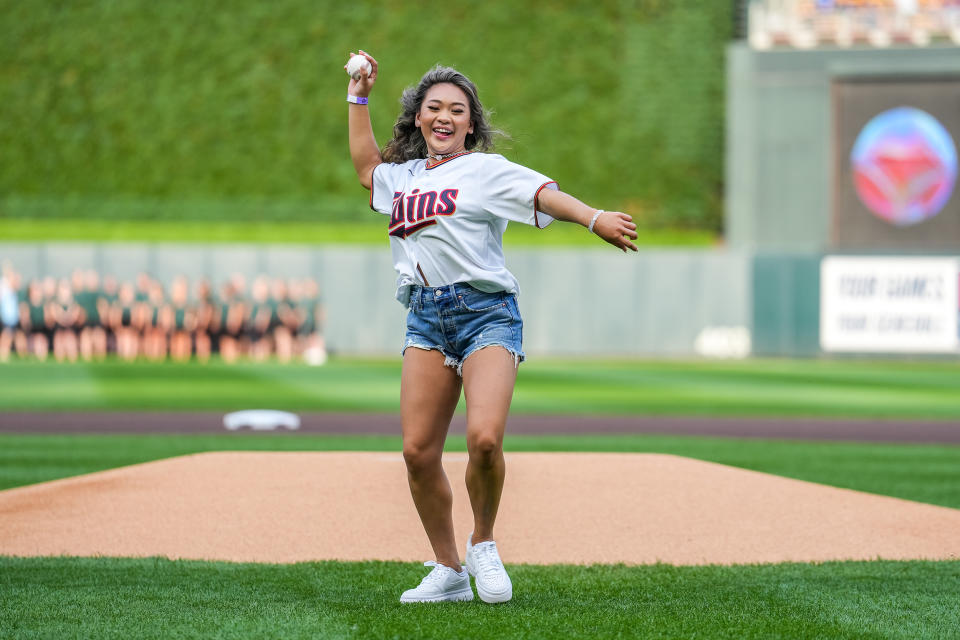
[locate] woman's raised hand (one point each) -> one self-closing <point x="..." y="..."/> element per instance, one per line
<point x="616" y="228"/>
<point x="364" y="85"/>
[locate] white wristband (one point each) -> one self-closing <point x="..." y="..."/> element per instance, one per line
<point x="594" y="221"/>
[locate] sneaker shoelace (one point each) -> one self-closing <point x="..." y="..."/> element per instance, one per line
<point x="437" y="574"/>
<point x="489" y="561"/>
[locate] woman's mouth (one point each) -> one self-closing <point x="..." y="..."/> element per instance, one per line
<point x="442" y="132"/>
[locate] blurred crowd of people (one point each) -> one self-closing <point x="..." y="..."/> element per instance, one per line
<point x="88" y="317"/>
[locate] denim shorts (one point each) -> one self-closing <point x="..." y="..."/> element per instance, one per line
<point x="457" y="320"/>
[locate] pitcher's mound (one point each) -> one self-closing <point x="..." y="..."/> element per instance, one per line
<point x="556" y="508"/>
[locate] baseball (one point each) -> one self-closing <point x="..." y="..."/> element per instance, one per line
<point x="355" y="64"/>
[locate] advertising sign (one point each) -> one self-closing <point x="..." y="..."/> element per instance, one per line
<point x="896" y="164"/>
<point x="895" y="304"/>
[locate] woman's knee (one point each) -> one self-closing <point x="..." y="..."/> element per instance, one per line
<point x="485" y="447"/>
<point x="420" y="458"/>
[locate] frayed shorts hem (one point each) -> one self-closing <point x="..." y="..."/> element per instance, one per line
<point x="457" y="364"/>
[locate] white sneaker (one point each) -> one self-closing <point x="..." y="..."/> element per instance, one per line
<point x="483" y="563"/>
<point x="443" y="584"/>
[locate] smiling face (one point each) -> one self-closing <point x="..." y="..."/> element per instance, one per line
<point x="444" y="118"/>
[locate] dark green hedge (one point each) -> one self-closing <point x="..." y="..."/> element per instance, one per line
<point x="174" y="108"/>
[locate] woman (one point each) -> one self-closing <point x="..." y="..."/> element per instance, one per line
<point x="183" y="323"/>
<point x="68" y="316"/>
<point x="205" y="325"/>
<point x="123" y="321"/>
<point x="89" y="295"/>
<point x="309" y="309"/>
<point x="159" y="325"/>
<point x="230" y="319"/>
<point x="258" y="321"/>
<point x="448" y="208"/>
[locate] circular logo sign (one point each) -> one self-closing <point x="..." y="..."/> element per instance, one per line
<point x="904" y="166"/>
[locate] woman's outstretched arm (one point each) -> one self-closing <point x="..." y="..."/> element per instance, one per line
<point x="613" y="226"/>
<point x="363" y="145"/>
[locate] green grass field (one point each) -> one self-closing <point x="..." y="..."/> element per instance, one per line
<point x="848" y="388"/>
<point x="103" y="598"/>
<point x="109" y="597"/>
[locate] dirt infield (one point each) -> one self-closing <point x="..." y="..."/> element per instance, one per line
<point x="557" y="508"/>
<point x="365" y="423"/>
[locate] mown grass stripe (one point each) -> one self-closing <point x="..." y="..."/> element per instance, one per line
<point x="926" y="473"/>
<point x="106" y="597"/>
<point x="850" y="389"/>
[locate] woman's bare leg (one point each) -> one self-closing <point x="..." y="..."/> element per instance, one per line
<point x="489" y="375"/>
<point x="429" y="391"/>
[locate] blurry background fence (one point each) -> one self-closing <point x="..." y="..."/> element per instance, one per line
<point x="573" y="302"/>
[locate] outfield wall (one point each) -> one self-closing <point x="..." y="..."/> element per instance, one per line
<point x="574" y="302"/>
<point x="658" y="303"/>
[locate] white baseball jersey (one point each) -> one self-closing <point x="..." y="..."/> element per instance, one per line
<point x="447" y="221"/>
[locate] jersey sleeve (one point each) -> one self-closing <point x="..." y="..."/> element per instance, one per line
<point x="513" y="191"/>
<point x="387" y="180"/>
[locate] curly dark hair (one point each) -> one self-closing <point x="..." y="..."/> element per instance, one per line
<point x="408" y="142"/>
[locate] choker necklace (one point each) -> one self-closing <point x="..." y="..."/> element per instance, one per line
<point x="443" y="156"/>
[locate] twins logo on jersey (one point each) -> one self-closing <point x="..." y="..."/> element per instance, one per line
<point x="416" y="211"/>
